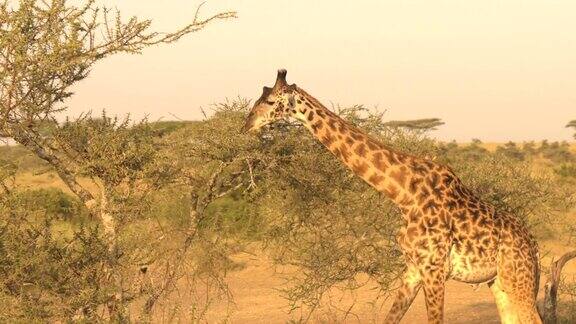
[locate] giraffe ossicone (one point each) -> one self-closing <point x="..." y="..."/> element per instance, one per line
<point x="448" y="232"/>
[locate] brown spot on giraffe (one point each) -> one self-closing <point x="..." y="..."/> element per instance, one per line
<point x="317" y="127"/>
<point x="372" y="145"/>
<point x="349" y="141"/>
<point x="327" y="139"/>
<point x="310" y="115"/>
<point x="378" y="161"/>
<point x="391" y="191"/>
<point x="414" y="184"/>
<point x="360" y="150"/>
<point x="356" y="135"/>
<point x="375" y="179"/>
<point x="360" y="168"/>
<point x="399" y="175"/>
<point x="332" y="124"/>
<point x="411" y="233"/>
<point x="345" y="152"/>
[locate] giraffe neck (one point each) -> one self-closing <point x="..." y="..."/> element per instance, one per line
<point x="390" y="172"/>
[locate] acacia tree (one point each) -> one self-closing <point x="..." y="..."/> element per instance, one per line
<point x="213" y="161"/>
<point x="572" y="124"/>
<point x="45" y="48"/>
<point x="423" y="125"/>
<point x="124" y="162"/>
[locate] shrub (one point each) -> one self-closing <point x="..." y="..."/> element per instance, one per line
<point x="53" y="202"/>
<point x="44" y="275"/>
<point x="566" y="170"/>
<point x="511" y="151"/>
<point x="557" y="152"/>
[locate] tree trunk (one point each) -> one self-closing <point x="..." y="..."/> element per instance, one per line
<point x="551" y="288"/>
<point x="46" y="154"/>
<point x="115" y="306"/>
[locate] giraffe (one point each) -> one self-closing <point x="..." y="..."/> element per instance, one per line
<point x="447" y="232"/>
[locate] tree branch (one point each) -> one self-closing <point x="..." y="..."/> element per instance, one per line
<point x="551" y="288"/>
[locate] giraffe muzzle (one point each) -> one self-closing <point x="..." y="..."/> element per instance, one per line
<point x="248" y="125"/>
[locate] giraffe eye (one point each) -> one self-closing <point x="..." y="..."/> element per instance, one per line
<point x="270" y="102"/>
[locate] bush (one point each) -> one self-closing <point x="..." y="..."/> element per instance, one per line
<point x="44" y="275"/>
<point x="53" y="202"/>
<point x="233" y="216"/>
<point x="557" y="152"/>
<point x="566" y="170"/>
<point x="511" y="151"/>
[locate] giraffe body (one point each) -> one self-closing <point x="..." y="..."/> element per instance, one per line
<point x="448" y="232"/>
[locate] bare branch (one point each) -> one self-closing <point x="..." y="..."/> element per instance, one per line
<point x="551" y="287"/>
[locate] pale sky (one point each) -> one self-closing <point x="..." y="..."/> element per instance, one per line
<point x="494" y="70"/>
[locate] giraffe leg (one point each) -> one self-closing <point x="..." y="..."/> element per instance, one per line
<point x="515" y="287"/>
<point x="504" y="304"/>
<point x="433" y="285"/>
<point x="513" y="307"/>
<point x="411" y="283"/>
<point x="528" y="313"/>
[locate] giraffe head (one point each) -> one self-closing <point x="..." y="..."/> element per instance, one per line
<point x="276" y="103"/>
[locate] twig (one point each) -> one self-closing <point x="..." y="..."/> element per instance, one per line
<point x="171" y="114"/>
<point x="252" y="182"/>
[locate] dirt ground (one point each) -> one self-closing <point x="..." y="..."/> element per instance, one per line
<point x="257" y="299"/>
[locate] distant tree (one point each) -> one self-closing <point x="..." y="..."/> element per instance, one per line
<point x="416" y="124"/>
<point x="473" y="151"/>
<point x="544" y="145"/>
<point x="557" y="152"/>
<point x="572" y="124"/>
<point x="529" y="148"/>
<point x="449" y="148"/>
<point x="511" y="150"/>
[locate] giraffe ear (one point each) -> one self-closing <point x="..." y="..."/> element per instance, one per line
<point x="266" y="91"/>
<point x="292" y="87"/>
